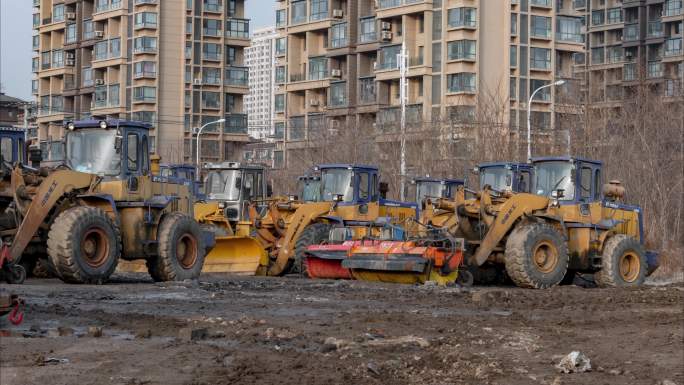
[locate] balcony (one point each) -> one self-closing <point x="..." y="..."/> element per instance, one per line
<point x="235" y="124"/>
<point x="631" y="32"/>
<point x="655" y="70"/>
<point x="673" y="47"/>
<point x="237" y="28"/>
<point x="237" y="77"/>
<point x="673" y="8"/>
<point x="655" y="29"/>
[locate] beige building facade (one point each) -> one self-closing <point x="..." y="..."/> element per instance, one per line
<point x="337" y="63"/>
<point x="177" y="64"/>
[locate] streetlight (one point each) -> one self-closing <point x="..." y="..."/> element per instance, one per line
<point x="529" y="105"/>
<point x="199" y="132"/>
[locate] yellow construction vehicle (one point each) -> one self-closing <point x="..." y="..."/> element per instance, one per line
<point x="570" y="224"/>
<point x="351" y="198"/>
<point x="102" y="205"/>
<point x="235" y="195"/>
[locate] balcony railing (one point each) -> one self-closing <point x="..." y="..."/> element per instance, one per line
<point x="579" y="4"/>
<point x="541" y="3"/>
<point x="297" y="77"/>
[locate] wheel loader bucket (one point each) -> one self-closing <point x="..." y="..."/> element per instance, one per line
<point x="232" y="254"/>
<point x="235" y="255"/>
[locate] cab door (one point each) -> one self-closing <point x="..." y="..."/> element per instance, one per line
<point x="136" y="179"/>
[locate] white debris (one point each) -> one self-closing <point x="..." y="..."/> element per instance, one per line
<point x="575" y="362"/>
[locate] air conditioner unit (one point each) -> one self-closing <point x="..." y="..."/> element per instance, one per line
<point x="99" y="34"/>
<point x="70" y="62"/>
<point x="386" y="26"/>
<point x="70" y="55"/>
<point x="99" y="82"/>
<point x="336" y="73"/>
<point x="197" y="82"/>
<point x="71" y="15"/>
<point x="338" y="13"/>
<point x="314" y="103"/>
<point x="386" y="36"/>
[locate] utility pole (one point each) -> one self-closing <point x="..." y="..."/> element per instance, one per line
<point x="402" y="60"/>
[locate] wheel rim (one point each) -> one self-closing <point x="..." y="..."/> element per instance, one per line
<point x="545" y="256"/>
<point x="95" y="247"/>
<point x="186" y="250"/>
<point x="629" y="267"/>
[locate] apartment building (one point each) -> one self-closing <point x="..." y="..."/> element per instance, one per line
<point x="177" y="64"/>
<point x="632" y="42"/>
<point x="337" y="62"/>
<point x="259" y="102"/>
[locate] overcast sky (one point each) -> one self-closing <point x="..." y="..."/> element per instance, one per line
<point x="15" y="41"/>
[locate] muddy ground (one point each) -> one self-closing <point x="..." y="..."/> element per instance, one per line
<point x="231" y="330"/>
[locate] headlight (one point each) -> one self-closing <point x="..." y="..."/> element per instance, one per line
<point x="222" y="205"/>
<point x="103" y="125"/>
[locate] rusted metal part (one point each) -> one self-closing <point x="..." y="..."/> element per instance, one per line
<point x="11" y="304"/>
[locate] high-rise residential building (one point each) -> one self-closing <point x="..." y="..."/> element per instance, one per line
<point x="177" y="64"/>
<point x="259" y="102"/>
<point x="337" y="62"/>
<point x="633" y="42"/>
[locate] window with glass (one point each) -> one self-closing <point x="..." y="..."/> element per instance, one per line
<point x="237" y="28"/>
<point x="211" y="76"/>
<point x="461" y="82"/>
<point x="298" y="12"/>
<point x="231" y="8"/>
<point x="145" y="69"/>
<point x="554" y="176"/>
<point x="58" y="13"/>
<point x="35" y="64"/>
<point x="388" y="57"/>
<point x="279" y="103"/>
<point x="615" y="15"/>
<point x="211" y="51"/>
<point x="212" y="27"/>
<point x="281" y="46"/>
<point x="57" y="58"/>
<point x="540" y="58"/>
<point x="544" y="95"/>
<point x="280" y="73"/>
<point x="145" y="44"/>
<point x="237" y="76"/>
<point x="100" y="50"/>
<point x="213" y="6"/>
<point x="144" y="94"/>
<point x="597" y="55"/>
<point x="338" y="34"/>
<point x="462" y="17"/>
<point x="281" y="18"/>
<point x="461" y="50"/>
<point x="569" y="29"/>
<point x="513" y="56"/>
<point x="541" y="27"/>
<point x="367" y="30"/>
<point x="319" y="9"/>
<point x="87" y="77"/>
<point x="318" y="68"/>
<point x="211" y="99"/>
<point x="113" y="95"/>
<point x="514" y="24"/>
<point x="115" y="48"/>
<point x="367" y="90"/>
<point x="338" y="94"/>
<point x="70" y="36"/>
<point x="513" y="89"/>
<point x="146" y="20"/>
<point x="88" y="30"/>
<point x="93" y="151"/>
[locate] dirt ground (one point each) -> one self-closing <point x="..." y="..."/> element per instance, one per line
<point x="236" y="330"/>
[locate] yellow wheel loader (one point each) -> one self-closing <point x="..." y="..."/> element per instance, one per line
<point x="351" y="199"/>
<point x="235" y="195"/>
<point x="569" y="224"/>
<point x="103" y="205"/>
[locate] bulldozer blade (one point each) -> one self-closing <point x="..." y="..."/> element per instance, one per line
<point x="235" y="255"/>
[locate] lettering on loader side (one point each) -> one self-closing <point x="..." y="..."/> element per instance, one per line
<point x="49" y="192"/>
<point x="508" y="214"/>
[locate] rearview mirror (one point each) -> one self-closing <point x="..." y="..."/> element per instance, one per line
<point x="118" y="143"/>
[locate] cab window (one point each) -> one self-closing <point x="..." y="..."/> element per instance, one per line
<point x="145" y="156"/>
<point x="524" y="181"/>
<point x="248" y="186"/>
<point x="6" y="149"/>
<point x="597" y="185"/>
<point x="364" y="192"/>
<point x="374" y="188"/>
<point x="586" y="179"/>
<point x="259" y="192"/>
<point x="132" y="152"/>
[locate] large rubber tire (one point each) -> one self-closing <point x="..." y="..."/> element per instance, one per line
<point x="313" y="234"/>
<point x="181" y="249"/>
<point x="536" y="256"/>
<point x="623" y="263"/>
<point x="84" y="245"/>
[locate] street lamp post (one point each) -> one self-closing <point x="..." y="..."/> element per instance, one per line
<point x="529" y="112"/>
<point x="199" y="132"/>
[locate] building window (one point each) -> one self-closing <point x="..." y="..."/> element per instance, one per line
<point x="569" y="29"/>
<point x="544" y="95"/>
<point x="540" y="58"/>
<point x="69" y="36"/>
<point x="615" y="15"/>
<point x="281" y="46"/>
<point x="211" y="76"/>
<point x="461" y="82"/>
<point x="212" y="6"/>
<point x="280" y="74"/>
<point x="367" y="31"/>
<point x="541" y="27"/>
<point x="211" y="27"/>
<point x="145" y="20"/>
<point x="461" y="50"/>
<point x="513" y="56"/>
<point x="144" y="94"/>
<point x="598" y="17"/>
<point x="211" y="100"/>
<point x="211" y="51"/>
<point x="319" y="9"/>
<point x="237" y="28"/>
<point x="597" y="55"/>
<point x="318" y="68"/>
<point x="145" y="44"/>
<point x="281" y="18"/>
<point x="540" y="120"/>
<point x="338" y="94"/>
<point x="279" y="103"/>
<point x="513" y="89"/>
<point x="232" y="8"/>
<point x="113" y="95"/>
<point x="58" y="13"/>
<point x="339" y="35"/>
<point x="57" y="58"/>
<point x="298" y="12"/>
<point x="388" y="57"/>
<point x="462" y="17"/>
<point x="514" y="24"/>
<point x="88" y="30"/>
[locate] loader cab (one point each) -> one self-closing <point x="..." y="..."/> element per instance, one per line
<point x="182" y="174"/>
<point x="309" y="188"/>
<point x="349" y="184"/>
<point x="52" y="153"/>
<point x="569" y="180"/>
<point x="13" y="145"/>
<point x="436" y="188"/>
<point x="506" y="176"/>
<point x="113" y="149"/>
<point x="235" y="186"/>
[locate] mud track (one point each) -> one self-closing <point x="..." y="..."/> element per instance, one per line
<point x="234" y="330"/>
